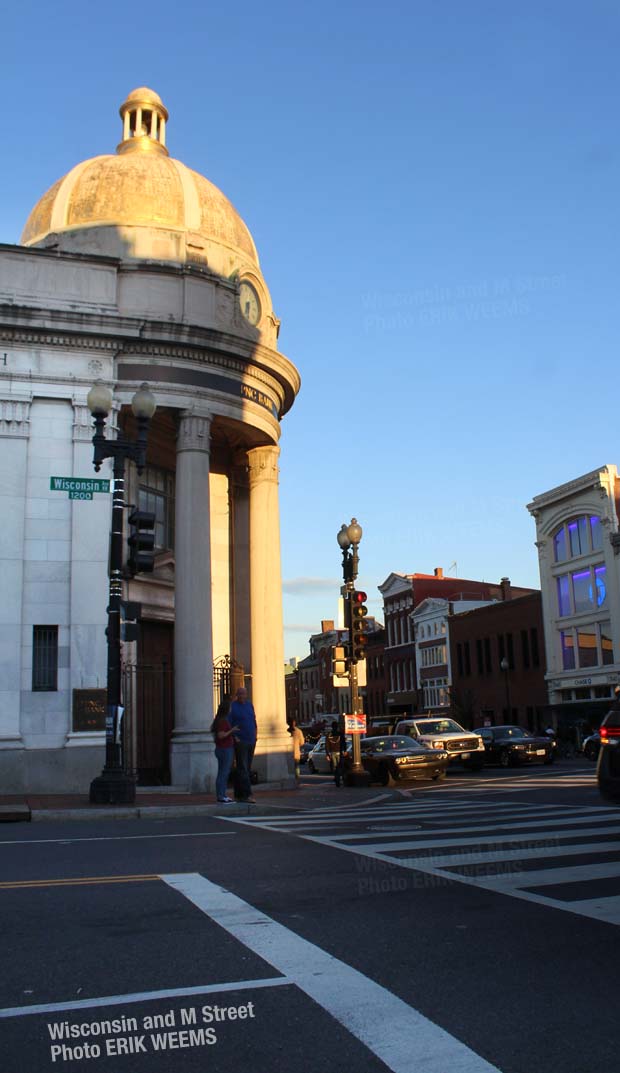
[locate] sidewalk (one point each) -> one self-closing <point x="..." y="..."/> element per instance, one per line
<point x="168" y="803"/>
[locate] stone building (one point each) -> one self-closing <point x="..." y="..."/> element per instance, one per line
<point x="133" y="268"/>
<point x="578" y="540"/>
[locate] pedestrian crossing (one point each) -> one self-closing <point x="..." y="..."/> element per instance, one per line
<point x="563" y="856"/>
<point x="533" y="779"/>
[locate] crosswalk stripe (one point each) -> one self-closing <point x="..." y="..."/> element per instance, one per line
<point x="474" y="830"/>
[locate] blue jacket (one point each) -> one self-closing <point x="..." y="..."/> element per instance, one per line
<point x="242" y="716"/>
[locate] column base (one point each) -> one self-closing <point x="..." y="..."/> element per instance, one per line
<point x="192" y="760"/>
<point x="113" y="788"/>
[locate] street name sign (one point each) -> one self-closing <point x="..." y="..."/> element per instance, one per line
<point x="79" y="487"/>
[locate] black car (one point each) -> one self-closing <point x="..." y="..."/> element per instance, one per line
<point x="511" y="745"/>
<point x="391" y="758"/>
<point x="608" y="766"/>
<point x="591" y="746"/>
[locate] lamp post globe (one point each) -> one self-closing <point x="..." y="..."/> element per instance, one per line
<point x="99" y="399"/>
<point x="354" y="531"/>
<point x="343" y="537"/>
<point x="143" y="403"/>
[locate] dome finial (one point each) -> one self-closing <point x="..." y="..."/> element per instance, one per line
<point x="144" y="122"/>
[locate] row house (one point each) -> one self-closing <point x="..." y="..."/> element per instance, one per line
<point x="432" y="651"/>
<point x="402" y="594"/>
<point x="497" y="662"/>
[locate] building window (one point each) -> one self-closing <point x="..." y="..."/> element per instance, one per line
<point x="607" y="648"/>
<point x="525" y="649"/>
<point x="44" y="659"/>
<point x="156" y="494"/>
<point x="582" y="590"/>
<point x="568" y="650"/>
<point x="487" y="655"/>
<point x="479" y="660"/>
<point x="534" y="647"/>
<point x="467" y="658"/>
<point x="580" y="536"/>
<point x="459" y="658"/>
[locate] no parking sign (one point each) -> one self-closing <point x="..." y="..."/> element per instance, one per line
<point x="355" y="723"/>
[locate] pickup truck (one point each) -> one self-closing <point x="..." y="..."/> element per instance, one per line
<point x="439" y="733"/>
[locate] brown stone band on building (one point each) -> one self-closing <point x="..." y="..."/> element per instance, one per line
<point x="197" y="378"/>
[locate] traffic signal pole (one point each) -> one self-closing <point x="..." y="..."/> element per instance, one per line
<point x="114" y="786"/>
<point x="348" y="539"/>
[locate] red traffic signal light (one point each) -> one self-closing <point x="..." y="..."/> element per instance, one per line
<point x="358" y="625"/>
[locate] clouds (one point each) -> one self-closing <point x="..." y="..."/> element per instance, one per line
<point x="299" y="586"/>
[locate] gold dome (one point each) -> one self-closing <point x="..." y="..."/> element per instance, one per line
<point x="140" y="202"/>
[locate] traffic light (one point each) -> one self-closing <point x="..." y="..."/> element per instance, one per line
<point x="340" y="663"/>
<point x="358" y="614"/>
<point x="141" y="542"/>
<point x="130" y="616"/>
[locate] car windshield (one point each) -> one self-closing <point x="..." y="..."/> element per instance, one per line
<point x="438" y="726"/>
<point x="388" y="745"/>
<point x="511" y="732"/>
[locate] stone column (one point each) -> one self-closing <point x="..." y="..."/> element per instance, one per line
<point x="274" y="751"/>
<point x="192" y="756"/>
<point x="240" y="562"/>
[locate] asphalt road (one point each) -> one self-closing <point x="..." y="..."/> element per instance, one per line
<point x="461" y="928"/>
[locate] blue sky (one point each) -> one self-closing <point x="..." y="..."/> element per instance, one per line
<point x="433" y="189"/>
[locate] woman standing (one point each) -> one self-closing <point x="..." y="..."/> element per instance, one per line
<point x="224" y="749"/>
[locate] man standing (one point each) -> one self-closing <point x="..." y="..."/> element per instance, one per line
<point x="242" y="716"/>
<point x="297" y="742"/>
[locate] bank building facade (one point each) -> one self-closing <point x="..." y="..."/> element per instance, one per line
<point x="134" y="268"/>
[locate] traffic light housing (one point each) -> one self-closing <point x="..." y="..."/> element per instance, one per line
<point x="358" y="612"/>
<point x="340" y="663"/>
<point x="141" y="541"/>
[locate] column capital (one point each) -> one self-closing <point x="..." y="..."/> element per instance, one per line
<point x="194" y="432"/>
<point x="263" y="464"/>
<point x="15" y="417"/>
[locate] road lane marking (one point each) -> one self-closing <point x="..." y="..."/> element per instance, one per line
<point x="77" y="881"/>
<point x="143" y="996"/>
<point x="114" y="838"/>
<point x="384" y="1023"/>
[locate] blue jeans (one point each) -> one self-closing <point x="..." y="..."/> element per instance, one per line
<point x="244" y="752"/>
<point x="224" y="764"/>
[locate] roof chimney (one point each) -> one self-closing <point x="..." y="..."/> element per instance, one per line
<point x="506" y="588"/>
<point x="439" y="571"/>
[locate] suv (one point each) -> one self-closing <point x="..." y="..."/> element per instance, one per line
<point x="460" y="744"/>
<point x="608" y="767"/>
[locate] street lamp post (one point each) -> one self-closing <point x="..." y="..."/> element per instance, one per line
<point x="114" y="786"/>
<point x="505" y="667"/>
<point x="348" y="538"/>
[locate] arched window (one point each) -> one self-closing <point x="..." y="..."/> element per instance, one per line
<point x="579" y="536"/>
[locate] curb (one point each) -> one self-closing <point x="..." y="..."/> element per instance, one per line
<point x="148" y="812"/>
<point x="14" y="814"/>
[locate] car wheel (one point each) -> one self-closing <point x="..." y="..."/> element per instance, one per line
<point x="590" y="752"/>
<point x="438" y="777"/>
<point x="474" y="765"/>
<point x="311" y="767"/>
<point x="384" y="777"/>
<point x="504" y="758"/>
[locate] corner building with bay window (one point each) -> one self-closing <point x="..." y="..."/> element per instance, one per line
<point x="578" y="542"/>
<point x="133" y="268"/>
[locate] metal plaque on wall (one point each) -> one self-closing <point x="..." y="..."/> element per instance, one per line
<point x="89" y="709"/>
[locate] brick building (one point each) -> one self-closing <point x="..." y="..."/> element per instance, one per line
<point x="482" y="691"/>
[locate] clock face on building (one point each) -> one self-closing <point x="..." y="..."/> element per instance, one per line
<point x="249" y="302"/>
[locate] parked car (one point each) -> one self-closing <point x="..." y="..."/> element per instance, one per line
<point x="591" y="746"/>
<point x="305" y="751"/>
<point x="460" y="744"/>
<point x="394" y="758"/>
<point x="608" y="765"/>
<point x="511" y="745"/>
<point x="318" y="761"/>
